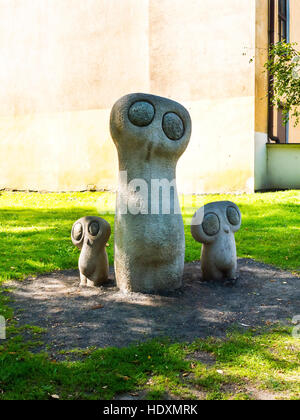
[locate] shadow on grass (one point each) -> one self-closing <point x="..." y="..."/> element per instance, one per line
<point x="241" y="360"/>
<point x="99" y="374"/>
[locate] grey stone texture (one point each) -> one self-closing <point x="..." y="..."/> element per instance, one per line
<point x="90" y="234"/>
<point x="214" y="225"/>
<point x="150" y="134"/>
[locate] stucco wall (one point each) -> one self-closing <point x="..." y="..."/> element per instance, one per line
<point x="261" y="76"/>
<point x="65" y="62"/>
<point x="261" y="90"/>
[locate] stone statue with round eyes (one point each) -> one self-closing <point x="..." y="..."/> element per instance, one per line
<point x="90" y="234"/>
<point x="150" y="134"/>
<point x="214" y="225"/>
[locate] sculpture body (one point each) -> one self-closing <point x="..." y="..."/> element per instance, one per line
<point x="214" y="226"/>
<point x="150" y="134"/>
<point x="90" y="234"/>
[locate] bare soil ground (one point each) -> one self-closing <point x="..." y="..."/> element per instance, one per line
<point x="82" y="317"/>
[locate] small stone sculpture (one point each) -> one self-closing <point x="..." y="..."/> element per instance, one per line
<point x="150" y="134"/>
<point x="214" y="226"/>
<point x="90" y="234"/>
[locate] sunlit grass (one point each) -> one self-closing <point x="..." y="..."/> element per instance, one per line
<point x="270" y="360"/>
<point x="35" y="228"/>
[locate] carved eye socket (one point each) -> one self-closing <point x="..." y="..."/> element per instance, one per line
<point x="94" y="228"/>
<point x="211" y="224"/>
<point x="141" y="113"/>
<point x="173" y="126"/>
<point x="77" y="231"/>
<point x="233" y="215"/>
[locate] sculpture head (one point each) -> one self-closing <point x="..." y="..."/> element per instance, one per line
<point x="151" y="125"/>
<point x="215" y="219"/>
<point x="91" y="231"/>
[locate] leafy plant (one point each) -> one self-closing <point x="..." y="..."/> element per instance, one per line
<point x="284" y="69"/>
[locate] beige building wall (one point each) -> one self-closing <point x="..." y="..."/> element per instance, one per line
<point x="199" y="55"/>
<point x="65" y="62"/>
<point x="261" y="91"/>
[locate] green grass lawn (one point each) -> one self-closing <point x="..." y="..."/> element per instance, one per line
<point x="35" y="228"/>
<point x="244" y="366"/>
<point x="35" y="238"/>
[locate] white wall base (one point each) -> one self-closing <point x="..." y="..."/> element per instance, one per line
<point x="260" y="166"/>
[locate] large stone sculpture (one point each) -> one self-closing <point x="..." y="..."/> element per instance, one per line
<point x="90" y="234"/>
<point x="150" y="134"/>
<point x="214" y="226"/>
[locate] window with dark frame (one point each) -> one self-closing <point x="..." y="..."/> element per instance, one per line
<point x="282" y="131"/>
<point x="282" y="20"/>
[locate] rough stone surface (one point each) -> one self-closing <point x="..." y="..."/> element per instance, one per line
<point x="214" y="225"/>
<point x="150" y="134"/>
<point x="84" y="317"/>
<point x="173" y="126"/>
<point x="90" y="234"/>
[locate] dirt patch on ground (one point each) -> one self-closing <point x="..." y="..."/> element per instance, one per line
<point x="202" y="357"/>
<point x="101" y="317"/>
